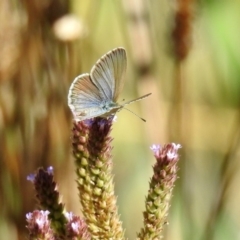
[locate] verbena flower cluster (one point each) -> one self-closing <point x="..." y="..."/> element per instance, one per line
<point x="91" y="142"/>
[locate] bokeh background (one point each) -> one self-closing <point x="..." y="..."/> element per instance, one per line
<point x="185" y="52"/>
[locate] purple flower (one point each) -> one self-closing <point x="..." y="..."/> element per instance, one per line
<point x="50" y="170"/>
<point x="39" y="225"/>
<point x="155" y="148"/>
<point x="31" y="177"/>
<point x="160" y="190"/>
<point x="76" y="227"/>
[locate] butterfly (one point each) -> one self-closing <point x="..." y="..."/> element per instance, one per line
<point x="95" y="94"/>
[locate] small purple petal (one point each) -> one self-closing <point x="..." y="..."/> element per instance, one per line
<point x="50" y="170"/>
<point x="172" y="152"/>
<point x="31" y="177"/>
<point x="75" y="226"/>
<point x="176" y="146"/>
<point x="28" y="215"/>
<point x="69" y="216"/>
<point x="155" y="147"/>
<point x="45" y="213"/>
<point x="41" y="218"/>
<point x="88" y="122"/>
<point x="171" y="155"/>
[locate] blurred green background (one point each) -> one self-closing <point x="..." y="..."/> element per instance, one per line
<point x="193" y="73"/>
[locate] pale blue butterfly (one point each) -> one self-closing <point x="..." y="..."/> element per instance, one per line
<point x="95" y="94"/>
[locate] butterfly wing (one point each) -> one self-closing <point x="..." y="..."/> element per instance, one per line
<point x="84" y="98"/>
<point x="108" y="73"/>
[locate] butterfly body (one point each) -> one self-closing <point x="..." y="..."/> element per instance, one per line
<point x="95" y="94"/>
<point x="109" y="106"/>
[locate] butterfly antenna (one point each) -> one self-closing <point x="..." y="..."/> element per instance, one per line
<point x="134" y="100"/>
<point x="133" y="113"/>
<point x="137" y="99"/>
